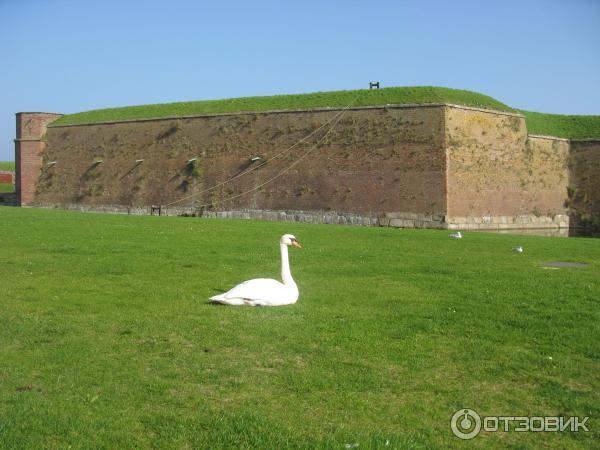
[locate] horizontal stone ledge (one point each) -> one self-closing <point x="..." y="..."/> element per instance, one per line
<point x="516" y="219"/>
<point x="507" y="222"/>
<point x="552" y="138"/>
<point x="415" y="216"/>
<point x="318" y="217"/>
<point x="398" y="220"/>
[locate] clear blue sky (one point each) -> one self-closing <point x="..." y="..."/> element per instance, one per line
<point x="69" y="56"/>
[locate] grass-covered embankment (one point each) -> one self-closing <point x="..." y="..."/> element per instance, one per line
<point x="564" y="126"/>
<point x="107" y="339"/>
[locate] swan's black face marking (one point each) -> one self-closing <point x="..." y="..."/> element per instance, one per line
<point x="295" y="243"/>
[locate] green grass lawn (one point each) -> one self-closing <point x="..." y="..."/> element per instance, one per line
<point x="569" y="127"/>
<point x="107" y="339"/>
<point x="7" y="165"/>
<point x="7" y="187"/>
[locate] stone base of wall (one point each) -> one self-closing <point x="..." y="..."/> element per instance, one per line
<point x="324" y="217"/>
<point x="390" y="219"/>
<point x="8" y="199"/>
<point x="412" y="220"/>
<point x="296" y="216"/>
<point x="520" y="222"/>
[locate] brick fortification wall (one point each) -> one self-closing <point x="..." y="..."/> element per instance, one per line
<point x="374" y="161"/>
<point x="584" y="183"/>
<point x="441" y="166"/>
<point x="29" y="148"/>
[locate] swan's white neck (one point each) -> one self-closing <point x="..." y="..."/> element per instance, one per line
<point x="286" y="275"/>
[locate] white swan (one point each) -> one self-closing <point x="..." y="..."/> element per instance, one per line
<point x="457" y="235"/>
<point x="265" y="291"/>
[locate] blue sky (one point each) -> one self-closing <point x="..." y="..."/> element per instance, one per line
<point x="68" y="56"/>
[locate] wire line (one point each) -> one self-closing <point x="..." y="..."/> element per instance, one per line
<point x="235" y="177"/>
<point x="290" y="166"/>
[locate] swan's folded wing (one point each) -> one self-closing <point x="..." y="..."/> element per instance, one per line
<point x="257" y="289"/>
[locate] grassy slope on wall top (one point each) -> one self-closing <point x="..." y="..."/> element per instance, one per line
<point x="362" y="97"/>
<point x="559" y="125"/>
<point x="575" y="127"/>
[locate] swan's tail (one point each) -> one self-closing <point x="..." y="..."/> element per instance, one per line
<point x="227" y="301"/>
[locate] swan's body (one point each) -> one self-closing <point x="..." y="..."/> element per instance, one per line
<point x="265" y="291"/>
<point x="457" y="235"/>
<point x="518" y="249"/>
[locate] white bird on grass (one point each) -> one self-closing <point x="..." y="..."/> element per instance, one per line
<point x="518" y="249"/>
<point x="456" y="235"/>
<point x="265" y="291"/>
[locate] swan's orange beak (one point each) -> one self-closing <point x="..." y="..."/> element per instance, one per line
<point x="295" y="243"/>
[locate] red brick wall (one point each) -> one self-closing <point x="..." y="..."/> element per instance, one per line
<point x="375" y="160"/>
<point x="29" y="146"/>
<point x="7" y="177"/>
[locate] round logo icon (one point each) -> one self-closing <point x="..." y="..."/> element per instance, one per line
<point x="465" y="424"/>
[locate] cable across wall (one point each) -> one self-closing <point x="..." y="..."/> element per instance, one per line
<point x="333" y="121"/>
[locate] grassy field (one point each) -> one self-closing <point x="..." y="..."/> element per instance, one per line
<point x="570" y="127"/>
<point x="7" y="187"/>
<point x="7" y="165"/>
<point x="107" y="339"/>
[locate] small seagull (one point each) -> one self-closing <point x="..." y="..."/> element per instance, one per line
<point x="456" y="235"/>
<point x="518" y="249"/>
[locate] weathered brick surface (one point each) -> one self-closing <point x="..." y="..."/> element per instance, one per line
<point x="373" y="161"/>
<point x="29" y="148"/>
